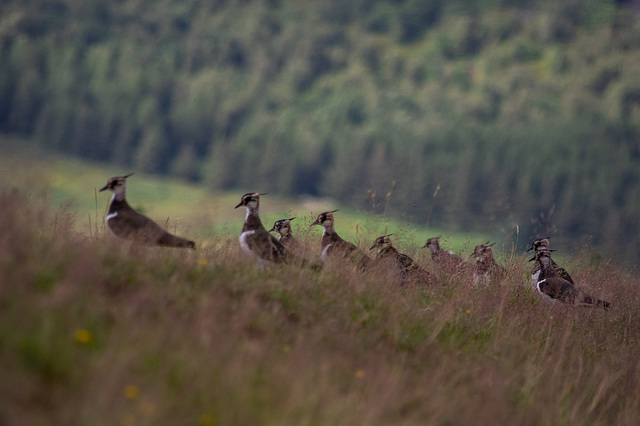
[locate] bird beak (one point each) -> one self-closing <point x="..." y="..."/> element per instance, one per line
<point x="127" y="175"/>
<point x="272" y="229"/>
<point x="239" y="205"/>
<point x="532" y="259"/>
<point x="104" y="189"/>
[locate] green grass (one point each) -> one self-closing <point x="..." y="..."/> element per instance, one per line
<point x="194" y="210"/>
<point x="95" y="332"/>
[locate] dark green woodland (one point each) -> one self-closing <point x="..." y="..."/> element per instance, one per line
<point x="519" y="113"/>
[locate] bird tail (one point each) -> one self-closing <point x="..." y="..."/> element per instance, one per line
<point x="168" y="240"/>
<point x="591" y="301"/>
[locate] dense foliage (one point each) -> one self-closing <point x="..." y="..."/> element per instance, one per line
<point x="520" y="112"/>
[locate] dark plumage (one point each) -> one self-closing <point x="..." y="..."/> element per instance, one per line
<point x="255" y="240"/>
<point x="542" y="244"/>
<point x="554" y="287"/>
<point x="449" y="262"/>
<point x="283" y="227"/>
<point x="405" y="266"/>
<point x="487" y="269"/>
<point x="334" y="247"/>
<point x="539" y="244"/>
<point x="127" y="223"/>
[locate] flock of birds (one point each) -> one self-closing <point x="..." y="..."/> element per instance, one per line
<point x="552" y="281"/>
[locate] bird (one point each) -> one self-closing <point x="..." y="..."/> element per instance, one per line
<point x="448" y="261"/>
<point x="127" y="223"/>
<point x="487" y="269"/>
<point x="334" y="247"/>
<point x="407" y="268"/>
<point x="254" y="239"/>
<point x="555" y="288"/>
<point x="543" y="244"/>
<point x="283" y="227"/>
<point x="539" y="243"/>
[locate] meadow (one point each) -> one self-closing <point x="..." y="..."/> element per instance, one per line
<point x="95" y="332"/>
<point x="195" y="210"/>
<point x="335" y="98"/>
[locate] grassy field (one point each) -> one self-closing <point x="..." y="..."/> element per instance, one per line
<point x="193" y="210"/>
<point x="94" y="332"/>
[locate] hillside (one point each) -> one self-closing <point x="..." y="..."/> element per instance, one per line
<point x="95" y="332"/>
<point x="521" y="113"/>
<point x="70" y="185"/>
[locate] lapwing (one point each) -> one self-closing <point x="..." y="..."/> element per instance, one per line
<point x="487" y="269"/>
<point x="255" y="240"/>
<point x="542" y="244"/>
<point x="408" y="269"/>
<point x="555" y="288"/>
<point x="539" y="244"/>
<point x="127" y="223"/>
<point x="448" y="261"/>
<point x="283" y="228"/>
<point x="334" y="247"/>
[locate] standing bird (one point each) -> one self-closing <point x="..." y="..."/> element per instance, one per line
<point x="448" y="261"/>
<point x="255" y="240"/>
<point x="487" y="269"/>
<point x="542" y="244"/>
<point x="408" y="268"/>
<point x="127" y="223"/>
<point x="283" y="227"/>
<point x="553" y="287"/>
<point x="334" y="247"/>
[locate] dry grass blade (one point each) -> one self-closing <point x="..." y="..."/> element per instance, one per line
<point x="96" y="332"/>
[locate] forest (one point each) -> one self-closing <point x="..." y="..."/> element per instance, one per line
<point x="488" y="114"/>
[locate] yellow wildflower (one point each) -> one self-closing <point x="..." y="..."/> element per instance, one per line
<point x="131" y="391"/>
<point x="83" y="336"/>
<point x="206" y="420"/>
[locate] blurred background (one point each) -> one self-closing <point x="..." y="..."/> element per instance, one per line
<point x="486" y="115"/>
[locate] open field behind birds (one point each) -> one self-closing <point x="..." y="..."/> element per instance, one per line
<point x="514" y="112"/>
<point x="95" y="332"/>
<point x="193" y="209"/>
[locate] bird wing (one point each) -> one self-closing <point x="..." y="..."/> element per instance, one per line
<point x="564" y="274"/>
<point x="266" y="246"/>
<point x="558" y="288"/>
<point x="406" y="261"/>
<point x="132" y="225"/>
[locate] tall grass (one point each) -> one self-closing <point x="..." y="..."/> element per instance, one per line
<point x="95" y="332"/>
